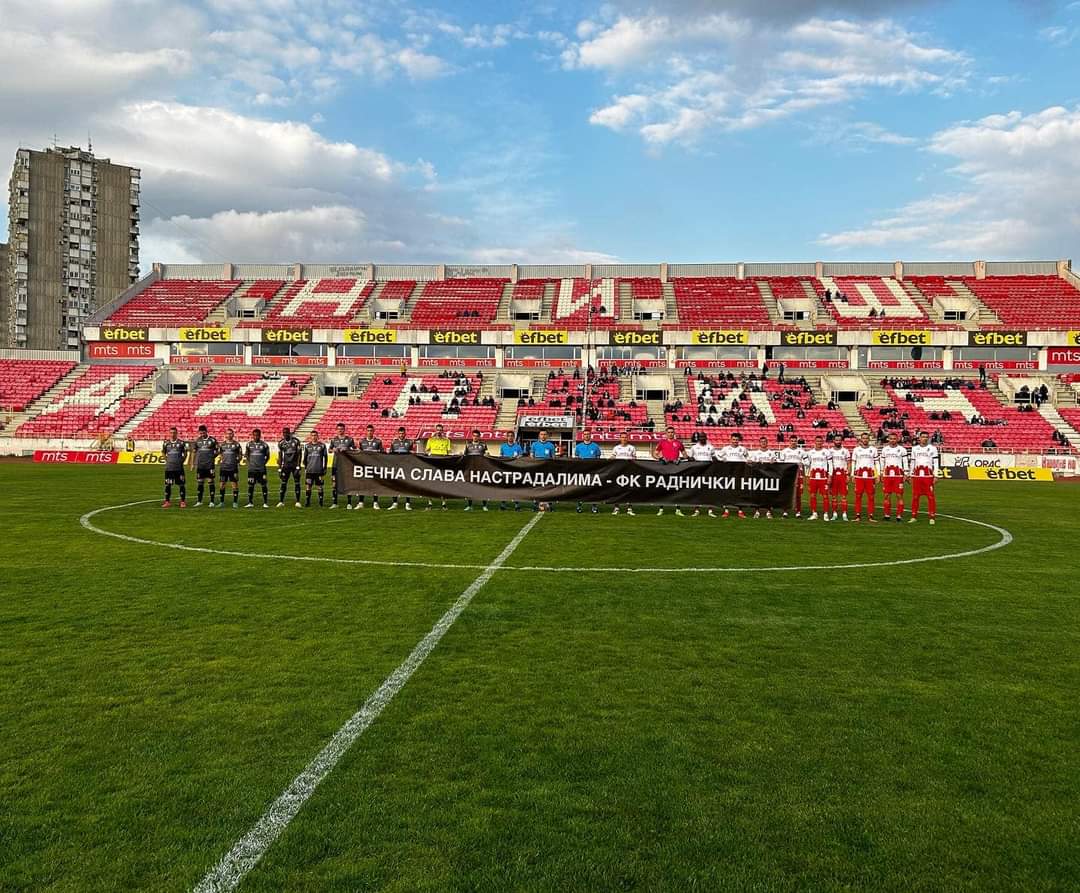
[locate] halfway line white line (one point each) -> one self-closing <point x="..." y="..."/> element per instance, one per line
<point x="236" y="863"/>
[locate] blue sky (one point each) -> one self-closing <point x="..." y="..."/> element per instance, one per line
<point x="640" y="131"/>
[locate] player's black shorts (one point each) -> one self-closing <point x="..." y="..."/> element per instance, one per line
<point x="258" y="477"/>
<point x="314" y="480"/>
<point x="204" y="473"/>
<point x="229" y="477"/>
<point x="288" y="471"/>
<point x="175" y="476"/>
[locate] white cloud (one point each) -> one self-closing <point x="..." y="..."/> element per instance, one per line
<point x="695" y="75"/>
<point x="1020" y="193"/>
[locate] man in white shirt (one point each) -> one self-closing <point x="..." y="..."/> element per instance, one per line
<point x="796" y="455"/>
<point x="733" y="452"/>
<point x="894" y="470"/>
<point x="766" y="456"/>
<point x="624" y="450"/>
<point x="819" y="468"/>
<point x="925" y="465"/>
<point x="702" y="451"/>
<point x="864" y="461"/>
<point x="838" y="486"/>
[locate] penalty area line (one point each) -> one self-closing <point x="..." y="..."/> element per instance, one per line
<point x="246" y="853"/>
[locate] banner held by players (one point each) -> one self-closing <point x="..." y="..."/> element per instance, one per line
<point x="611" y="481"/>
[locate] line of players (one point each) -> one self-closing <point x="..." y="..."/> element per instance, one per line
<point x="826" y="472"/>
<point x="826" y="469"/>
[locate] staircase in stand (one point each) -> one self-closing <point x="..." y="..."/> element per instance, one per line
<point x="1055" y="418"/>
<point x="142" y="415"/>
<point x="769" y="299"/>
<point x="985" y="316"/>
<point x="671" y="306"/>
<point x="311" y="421"/>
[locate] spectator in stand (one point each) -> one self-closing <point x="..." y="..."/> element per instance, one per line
<point x="989" y="444"/>
<point x="982" y="375"/>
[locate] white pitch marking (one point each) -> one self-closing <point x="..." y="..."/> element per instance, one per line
<point x="235" y="865"/>
<point x="1005" y="540"/>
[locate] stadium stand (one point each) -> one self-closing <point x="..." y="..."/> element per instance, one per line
<point x="175" y="302"/>
<point x="1030" y="302"/>
<point x="97" y="401"/>
<point x="725" y="302"/>
<point x="604" y="413"/>
<point x="854" y="298"/>
<point x="313" y="303"/>
<point x="785" y="412"/>
<point x="458" y="303"/>
<point x="442" y="398"/>
<point x="24" y="381"/>
<point x="575" y="297"/>
<point x="239" y="400"/>
<point x="913" y="401"/>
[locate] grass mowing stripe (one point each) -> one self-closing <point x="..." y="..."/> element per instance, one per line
<point x="235" y="864"/>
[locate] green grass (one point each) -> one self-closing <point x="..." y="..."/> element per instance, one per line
<point x="909" y="727"/>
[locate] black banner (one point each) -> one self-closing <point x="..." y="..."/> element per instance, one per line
<point x="611" y="481"/>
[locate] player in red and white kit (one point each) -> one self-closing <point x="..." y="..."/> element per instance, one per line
<point x="733" y="452"/>
<point x="864" y="464"/>
<point x="838" y="486"/>
<point x="925" y="465"/>
<point x="796" y="455"/>
<point x="819" y="470"/>
<point x="767" y="456"/>
<point x="894" y="469"/>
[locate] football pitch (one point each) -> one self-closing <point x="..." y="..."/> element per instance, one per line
<point x="550" y="702"/>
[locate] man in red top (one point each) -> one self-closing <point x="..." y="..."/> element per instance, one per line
<point x="669" y="449"/>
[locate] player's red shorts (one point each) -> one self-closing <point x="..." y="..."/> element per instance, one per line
<point x="839" y="483"/>
<point x="865" y="484"/>
<point x="892" y="483"/>
<point x="818" y="483"/>
<point x="922" y="486"/>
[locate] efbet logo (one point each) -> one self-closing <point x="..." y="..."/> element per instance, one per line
<point x="539" y="337"/>
<point x="720" y="337"/>
<point x="370" y="336"/>
<point x="455" y="337"/>
<point x="124" y="333"/>
<point x="635" y="338"/>
<point x="286" y="336"/>
<point x="997" y="339"/>
<point x="1010" y="474"/>
<point x="905" y="338"/>
<point x="808" y="339"/>
<point x="205" y="333"/>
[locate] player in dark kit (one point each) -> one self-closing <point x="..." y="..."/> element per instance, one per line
<point x="289" y="454"/>
<point x="401" y="446"/>
<point x="257" y="453"/>
<point x="475" y="447"/>
<point x="339" y="442"/>
<point x="174" y="451"/>
<point x="315" y="458"/>
<point x="206" y="451"/>
<point x="231" y="451"/>
<point x="369" y="443"/>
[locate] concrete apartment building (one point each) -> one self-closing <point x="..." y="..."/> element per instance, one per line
<point x="73" y="244"/>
